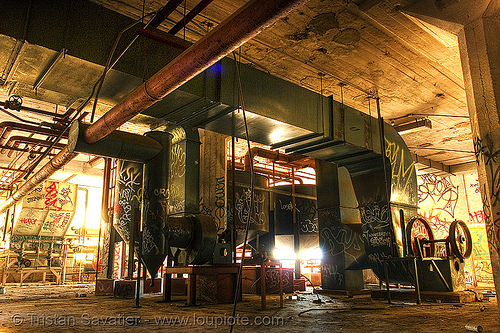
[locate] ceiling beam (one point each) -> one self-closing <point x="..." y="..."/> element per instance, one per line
<point x="426" y="165"/>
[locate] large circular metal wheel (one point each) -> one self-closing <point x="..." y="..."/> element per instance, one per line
<point x="27" y="263"/>
<point x="419" y="227"/>
<point x="460" y="239"/>
<point x="14" y="102"/>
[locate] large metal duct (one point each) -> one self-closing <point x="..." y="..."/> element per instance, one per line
<point x="243" y="25"/>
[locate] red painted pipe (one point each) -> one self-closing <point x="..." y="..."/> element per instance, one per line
<point x="164" y="39"/>
<point x="8" y="126"/>
<point x="16" y="140"/>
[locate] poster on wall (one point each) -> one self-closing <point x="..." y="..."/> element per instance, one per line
<point x="480" y="263"/>
<point x="30" y="221"/>
<point x="60" y="196"/>
<point x="60" y="202"/>
<point x="47" y="210"/>
<point x="56" y="223"/>
<point x="35" y="199"/>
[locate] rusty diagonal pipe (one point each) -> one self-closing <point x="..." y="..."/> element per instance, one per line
<point x="240" y="27"/>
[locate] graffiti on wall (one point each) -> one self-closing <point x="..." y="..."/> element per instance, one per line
<point x="116" y="273"/>
<point x="341" y="240"/>
<point x="336" y="240"/>
<point x="218" y="213"/>
<point x="305" y="213"/>
<point x="273" y="280"/>
<point x="439" y="190"/>
<point x="490" y="156"/>
<point x="176" y="197"/>
<point x="401" y="173"/>
<point x="444" y="199"/>
<point x="334" y="273"/>
<point x="375" y="218"/>
<point x="438" y="198"/>
<point x="220" y="201"/>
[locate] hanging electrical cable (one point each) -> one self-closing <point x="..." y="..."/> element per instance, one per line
<point x="249" y="216"/>
<point x="184" y="21"/>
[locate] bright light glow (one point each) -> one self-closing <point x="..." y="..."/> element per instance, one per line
<point x="285" y="253"/>
<point x="314" y="253"/>
<point x="80" y="256"/>
<point x="277" y="135"/>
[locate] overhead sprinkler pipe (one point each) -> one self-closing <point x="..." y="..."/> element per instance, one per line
<point x="240" y="27"/>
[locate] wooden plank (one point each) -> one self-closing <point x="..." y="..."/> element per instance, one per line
<point x="213" y="169"/>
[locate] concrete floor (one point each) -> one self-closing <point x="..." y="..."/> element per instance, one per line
<point x="58" y="309"/>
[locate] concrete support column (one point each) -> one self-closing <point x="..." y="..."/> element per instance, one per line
<point x="480" y="54"/>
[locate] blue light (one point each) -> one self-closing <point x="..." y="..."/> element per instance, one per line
<point x="215" y="69"/>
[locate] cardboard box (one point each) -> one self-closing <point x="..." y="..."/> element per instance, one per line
<point x="157" y="287"/>
<point x="126" y="288"/>
<point x="104" y="287"/>
<point x="251" y="280"/>
<point x="299" y="284"/>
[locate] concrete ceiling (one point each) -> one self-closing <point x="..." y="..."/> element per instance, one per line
<point x="352" y="50"/>
<point x="413" y="66"/>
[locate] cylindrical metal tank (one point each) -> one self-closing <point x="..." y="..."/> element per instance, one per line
<point x="259" y="216"/>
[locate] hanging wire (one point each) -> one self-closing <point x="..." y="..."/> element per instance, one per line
<point x="342" y="84"/>
<point x="321" y="99"/>
<point x="143" y="10"/>
<point x="370" y="112"/>
<point x="109" y="65"/>
<point x="145" y="48"/>
<point x="249" y="216"/>
<point x="184" y="20"/>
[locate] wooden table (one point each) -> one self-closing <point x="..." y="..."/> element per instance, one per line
<point x="193" y="272"/>
<point x="263" y="267"/>
<point x="26" y="272"/>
